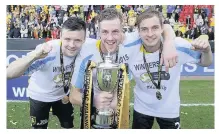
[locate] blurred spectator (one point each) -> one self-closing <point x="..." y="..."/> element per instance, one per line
<point x="212" y="22"/>
<point x="131" y="12"/>
<point x="30" y="31"/>
<point x="65" y="17"/>
<point x="16" y="32"/>
<point x="206" y="10"/>
<point x="76" y="10"/>
<point x="57" y="9"/>
<point x="97" y="8"/>
<point x="204" y="29"/>
<point x="43" y="21"/>
<point x="36" y="32"/>
<point x="55" y="33"/>
<point x="125" y="18"/>
<point x="44" y="32"/>
<point x="64" y="7"/>
<point x="86" y="7"/>
<point x="52" y="11"/>
<point x="203" y="13"/>
<point x="177" y="12"/>
<point x="60" y="19"/>
<point x="92" y="29"/>
<point x="24" y="31"/>
<point x="55" y="20"/>
<point x="159" y="8"/>
<point x="172" y="21"/>
<point x="182" y="29"/>
<point x="206" y="20"/>
<point x="199" y="21"/>
<point x="188" y="21"/>
<point x="170" y="9"/>
<point x="71" y="11"/>
<point x="48" y="32"/>
<point x="178" y="33"/>
<point x="51" y="23"/>
<point x="210" y="34"/>
<point x="196" y="33"/>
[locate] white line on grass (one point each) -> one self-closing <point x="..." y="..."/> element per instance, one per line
<point x="131" y="104"/>
<point x="190" y="105"/>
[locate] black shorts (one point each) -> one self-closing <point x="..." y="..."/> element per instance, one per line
<point x="39" y="113"/>
<point x="141" y="121"/>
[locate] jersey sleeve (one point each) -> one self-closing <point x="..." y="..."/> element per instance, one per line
<point x="186" y="55"/>
<point x="80" y="66"/>
<point x="39" y="64"/>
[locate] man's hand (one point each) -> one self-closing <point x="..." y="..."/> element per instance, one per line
<point x="43" y="51"/>
<point x="169" y="55"/>
<point x="201" y="44"/>
<point x="103" y="100"/>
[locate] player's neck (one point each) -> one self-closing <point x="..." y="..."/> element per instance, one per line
<point x="152" y="49"/>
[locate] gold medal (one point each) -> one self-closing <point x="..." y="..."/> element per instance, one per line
<point x="65" y="100"/>
<point x="158" y="95"/>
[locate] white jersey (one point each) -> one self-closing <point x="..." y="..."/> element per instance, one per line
<point x="145" y="100"/>
<point x="45" y="83"/>
<point x="90" y="51"/>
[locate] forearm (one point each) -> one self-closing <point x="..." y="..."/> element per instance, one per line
<point x="18" y="67"/>
<point x="76" y="97"/>
<point x="168" y="33"/>
<point x="206" y="58"/>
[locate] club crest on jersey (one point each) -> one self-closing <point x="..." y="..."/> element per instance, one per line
<point x="33" y="120"/>
<point x="58" y="77"/>
<point x="145" y="78"/>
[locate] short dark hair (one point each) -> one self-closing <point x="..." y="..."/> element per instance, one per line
<point x="149" y="13"/>
<point x="74" y="24"/>
<point x="110" y="14"/>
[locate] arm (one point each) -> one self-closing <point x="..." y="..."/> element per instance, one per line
<point x="169" y="54"/>
<point x="202" y="44"/>
<point x="206" y="58"/>
<point x="78" y="78"/>
<point x="18" y="67"/>
<point x="76" y="96"/>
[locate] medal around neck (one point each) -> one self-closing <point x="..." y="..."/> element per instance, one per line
<point x="158" y="95"/>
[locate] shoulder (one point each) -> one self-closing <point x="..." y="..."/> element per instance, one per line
<point x="89" y="43"/>
<point x="132" y="39"/>
<point x="89" y="47"/>
<point x="180" y="42"/>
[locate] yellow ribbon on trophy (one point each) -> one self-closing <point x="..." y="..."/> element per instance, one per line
<point x="123" y="100"/>
<point x="87" y="101"/>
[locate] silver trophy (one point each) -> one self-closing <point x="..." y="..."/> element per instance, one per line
<point x="107" y="79"/>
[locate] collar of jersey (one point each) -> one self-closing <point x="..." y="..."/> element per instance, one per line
<point x="143" y="50"/>
<point x="98" y="45"/>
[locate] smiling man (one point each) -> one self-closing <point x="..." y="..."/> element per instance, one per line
<point x="156" y="93"/>
<point x="51" y="67"/>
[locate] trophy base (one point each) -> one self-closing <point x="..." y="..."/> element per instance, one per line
<point x="102" y="127"/>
